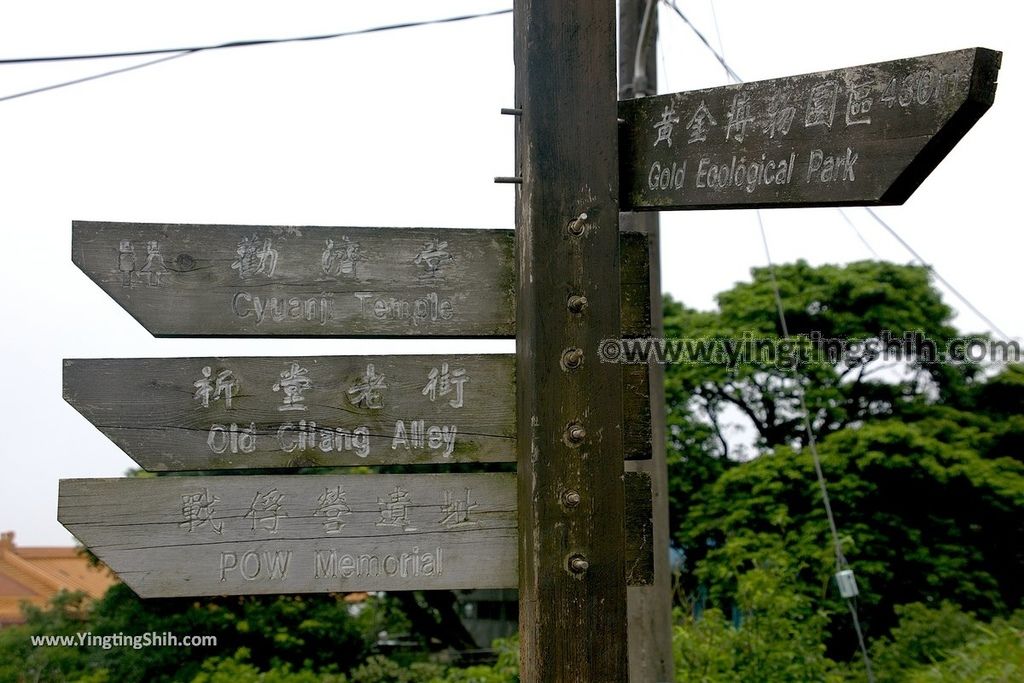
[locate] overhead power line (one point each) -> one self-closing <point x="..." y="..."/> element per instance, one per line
<point x="720" y="58"/>
<point x="860" y="236"/>
<point x="174" y="53"/>
<point x="93" y="77"/>
<point x="939" y="277"/>
<point x="841" y="562"/>
<point x="252" y="43"/>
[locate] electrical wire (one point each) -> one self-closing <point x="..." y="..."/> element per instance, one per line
<point x="721" y="60"/>
<point x="718" y="31"/>
<point x="812" y="445"/>
<point x="860" y="236"/>
<point x="252" y="43"/>
<point x="811" y="441"/>
<point x="938" y="277"/>
<point x="732" y="75"/>
<point x="93" y="77"/>
<point x="174" y="53"/>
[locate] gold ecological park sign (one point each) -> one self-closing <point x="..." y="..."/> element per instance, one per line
<point x="865" y="135"/>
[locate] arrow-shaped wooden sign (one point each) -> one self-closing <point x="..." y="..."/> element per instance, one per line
<point x="264" y="281"/>
<point x="236" y="535"/>
<point x="291" y="412"/>
<point x="865" y="135"/>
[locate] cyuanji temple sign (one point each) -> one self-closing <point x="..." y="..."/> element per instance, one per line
<point x="301" y="281"/>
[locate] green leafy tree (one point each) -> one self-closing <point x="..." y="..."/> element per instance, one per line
<point x="721" y="412"/>
<point x="946" y="645"/>
<point x="924" y="517"/>
<point x="304" y="632"/>
<point x="67" y="614"/>
<point x="238" y="669"/>
<point x="995" y="654"/>
<point x="923" y="458"/>
<point x="777" y="634"/>
<point x="864" y="304"/>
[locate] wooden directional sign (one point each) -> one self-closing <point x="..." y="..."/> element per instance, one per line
<point x="866" y="135"/>
<point x="231" y="280"/>
<point x="289" y="412"/>
<point x="234" y="535"/>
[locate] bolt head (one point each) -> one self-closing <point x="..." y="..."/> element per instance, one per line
<point x="577" y="226"/>
<point x="577" y="303"/>
<point x="578" y="564"/>
<point x="572" y="498"/>
<point x="572" y="358"/>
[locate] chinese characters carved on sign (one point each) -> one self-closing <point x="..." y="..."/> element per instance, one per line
<point x="209" y="388"/>
<point x="255" y="257"/>
<point x="152" y="271"/>
<point x="441" y="383"/>
<point x="773" y="109"/>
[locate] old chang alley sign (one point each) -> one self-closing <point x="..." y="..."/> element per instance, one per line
<point x="865" y="135"/>
<point x="308" y="411"/>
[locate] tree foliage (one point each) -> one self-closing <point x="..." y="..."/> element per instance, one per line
<point x="314" y="632"/>
<point x="867" y="306"/>
<point x="923" y="458"/>
<point x="776" y="634"/>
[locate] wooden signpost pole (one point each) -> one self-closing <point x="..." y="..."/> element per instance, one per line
<point x="572" y="589"/>
<point x="649" y="607"/>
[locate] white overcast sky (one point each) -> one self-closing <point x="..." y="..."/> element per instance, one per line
<point x="400" y="129"/>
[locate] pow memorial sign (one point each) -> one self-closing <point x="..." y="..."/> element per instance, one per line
<point x="289" y="412"/>
<point x="866" y="135"/>
<point x="221" y="280"/>
<point x="232" y="535"/>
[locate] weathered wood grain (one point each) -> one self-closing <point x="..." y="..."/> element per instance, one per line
<point x="865" y="135"/>
<point x="640" y="539"/>
<point x="238" y="535"/>
<point x="649" y="607"/>
<point x="173" y="414"/>
<point x="572" y="565"/>
<point x="264" y="281"/>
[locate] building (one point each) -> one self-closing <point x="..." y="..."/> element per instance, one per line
<point x="489" y="614"/>
<point x="35" y="575"/>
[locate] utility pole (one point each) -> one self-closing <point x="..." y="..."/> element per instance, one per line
<point x="650" y="607"/>
<point x="572" y="590"/>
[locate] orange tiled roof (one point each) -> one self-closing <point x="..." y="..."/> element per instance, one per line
<point x="37" y="574"/>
